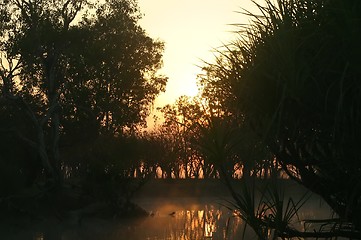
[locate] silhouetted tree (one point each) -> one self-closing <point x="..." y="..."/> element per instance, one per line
<point x="294" y="76"/>
<point x="223" y="117"/>
<point x="74" y="70"/>
<point x="178" y="129"/>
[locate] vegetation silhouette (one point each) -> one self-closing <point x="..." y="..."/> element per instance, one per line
<point x="284" y="99"/>
<point x="74" y="75"/>
<point x="292" y="76"/>
<point x="289" y="85"/>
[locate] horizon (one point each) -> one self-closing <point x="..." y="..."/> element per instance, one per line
<point x="188" y="41"/>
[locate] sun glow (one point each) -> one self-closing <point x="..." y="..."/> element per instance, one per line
<point x="176" y="89"/>
<point x="190" y="30"/>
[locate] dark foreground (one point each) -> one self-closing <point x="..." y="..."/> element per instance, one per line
<point x="176" y="209"/>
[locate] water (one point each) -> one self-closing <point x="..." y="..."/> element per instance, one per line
<point x="190" y="218"/>
<point x="176" y="213"/>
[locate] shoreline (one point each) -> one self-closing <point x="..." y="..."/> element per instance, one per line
<point x="198" y="188"/>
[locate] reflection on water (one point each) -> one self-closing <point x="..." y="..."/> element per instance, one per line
<point x="39" y="236"/>
<point x="195" y="221"/>
<point x="210" y="223"/>
<point x="171" y="218"/>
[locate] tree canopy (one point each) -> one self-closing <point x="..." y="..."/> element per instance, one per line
<point x="74" y="70"/>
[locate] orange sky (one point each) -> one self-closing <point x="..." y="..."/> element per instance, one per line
<point x="190" y="30"/>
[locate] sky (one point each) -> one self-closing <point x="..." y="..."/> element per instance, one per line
<point x="190" y="30"/>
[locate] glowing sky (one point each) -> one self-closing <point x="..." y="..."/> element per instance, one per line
<point x="190" y="29"/>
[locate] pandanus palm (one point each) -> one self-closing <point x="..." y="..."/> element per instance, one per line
<point x="295" y="76"/>
<point x="216" y="142"/>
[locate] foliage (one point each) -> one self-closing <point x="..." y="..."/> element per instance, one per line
<point x="177" y="128"/>
<point x="74" y="70"/>
<point x="111" y="170"/>
<point x="293" y="76"/>
<point x="263" y="207"/>
<point x="24" y="168"/>
<point x="201" y="138"/>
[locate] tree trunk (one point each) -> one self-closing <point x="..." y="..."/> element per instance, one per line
<point x="54" y="151"/>
<point x="44" y="157"/>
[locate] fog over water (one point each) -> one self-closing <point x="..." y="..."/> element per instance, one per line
<point x="178" y="210"/>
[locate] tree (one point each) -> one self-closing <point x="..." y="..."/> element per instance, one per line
<point x="75" y="68"/>
<point x="174" y="135"/>
<point x="186" y="125"/>
<point x="294" y="75"/>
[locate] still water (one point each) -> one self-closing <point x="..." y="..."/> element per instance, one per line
<point x="172" y="217"/>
